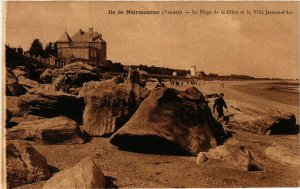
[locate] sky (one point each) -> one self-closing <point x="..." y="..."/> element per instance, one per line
<point x="249" y="44"/>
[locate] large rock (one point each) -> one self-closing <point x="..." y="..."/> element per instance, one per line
<point x="279" y="123"/>
<point x="86" y="174"/>
<point x="283" y="155"/>
<point x="119" y="79"/>
<point x="47" y="103"/>
<point x="27" y="83"/>
<point x="233" y="153"/>
<point x="13" y="88"/>
<point x="12" y="105"/>
<point x="108" y="106"/>
<point x="21" y="71"/>
<point x="49" y="131"/>
<point x="47" y="76"/>
<point x="74" y="75"/>
<point x="24" y="164"/>
<point x="170" y="122"/>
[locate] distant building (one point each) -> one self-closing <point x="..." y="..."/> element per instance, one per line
<point x="88" y="47"/>
<point x="174" y="73"/>
<point x="27" y="54"/>
<point x="193" y="71"/>
<point x="126" y="68"/>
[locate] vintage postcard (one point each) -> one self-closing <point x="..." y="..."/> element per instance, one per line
<point x="150" y="94"/>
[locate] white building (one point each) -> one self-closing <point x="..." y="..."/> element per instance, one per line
<point x="174" y="73"/>
<point x="193" y="71"/>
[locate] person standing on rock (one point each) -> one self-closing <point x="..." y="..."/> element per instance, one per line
<point x="219" y="104"/>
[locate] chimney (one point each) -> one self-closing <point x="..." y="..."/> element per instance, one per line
<point x="91" y="33"/>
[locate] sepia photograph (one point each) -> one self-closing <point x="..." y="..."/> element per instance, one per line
<point x="150" y="94"/>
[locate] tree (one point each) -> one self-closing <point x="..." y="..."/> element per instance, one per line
<point x="50" y="48"/>
<point x="36" y="48"/>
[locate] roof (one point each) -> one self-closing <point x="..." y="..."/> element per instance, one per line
<point x="81" y="36"/>
<point x="64" y="38"/>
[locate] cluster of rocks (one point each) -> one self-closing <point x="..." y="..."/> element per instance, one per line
<point x="71" y="104"/>
<point x="278" y="123"/>
<point x="233" y="153"/>
<point x="26" y="165"/>
<point x="66" y="106"/>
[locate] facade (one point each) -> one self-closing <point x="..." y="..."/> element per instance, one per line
<point x="88" y="47"/>
<point x="52" y="60"/>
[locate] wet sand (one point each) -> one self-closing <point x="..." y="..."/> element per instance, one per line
<point x="286" y="93"/>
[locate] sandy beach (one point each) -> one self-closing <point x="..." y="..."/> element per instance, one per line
<point x="129" y="169"/>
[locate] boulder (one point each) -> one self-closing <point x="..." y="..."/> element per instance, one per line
<point x="170" y="122"/>
<point x="118" y="79"/>
<point x="86" y="174"/>
<point x="42" y="88"/>
<point x="60" y="83"/>
<point x="12" y="105"/>
<point x="49" y="131"/>
<point x="46" y="76"/>
<point x="233" y="153"/>
<point x="21" y="71"/>
<point x="47" y="103"/>
<point x="283" y="155"/>
<point x="201" y="158"/>
<point x="16" y="120"/>
<point x="27" y="83"/>
<point x="279" y="123"/>
<point x="24" y="164"/>
<point x="108" y="106"/>
<point x="13" y="88"/>
<point x="74" y="75"/>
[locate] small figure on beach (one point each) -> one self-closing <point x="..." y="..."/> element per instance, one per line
<point x="160" y="83"/>
<point x="219" y="104"/>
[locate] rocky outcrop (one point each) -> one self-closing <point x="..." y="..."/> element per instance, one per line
<point x="13" y="88"/>
<point x="86" y="174"/>
<point x="170" y="122"/>
<point x="233" y="153"/>
<point x="283" y="155"/>
<point x="108" y="106"/>
<point x="48" y="131"/>
<point x="47" y="103"/>
<point x="24" y="164"/>
<point x="276" y="124"/>
<point x="74" y="75"/>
